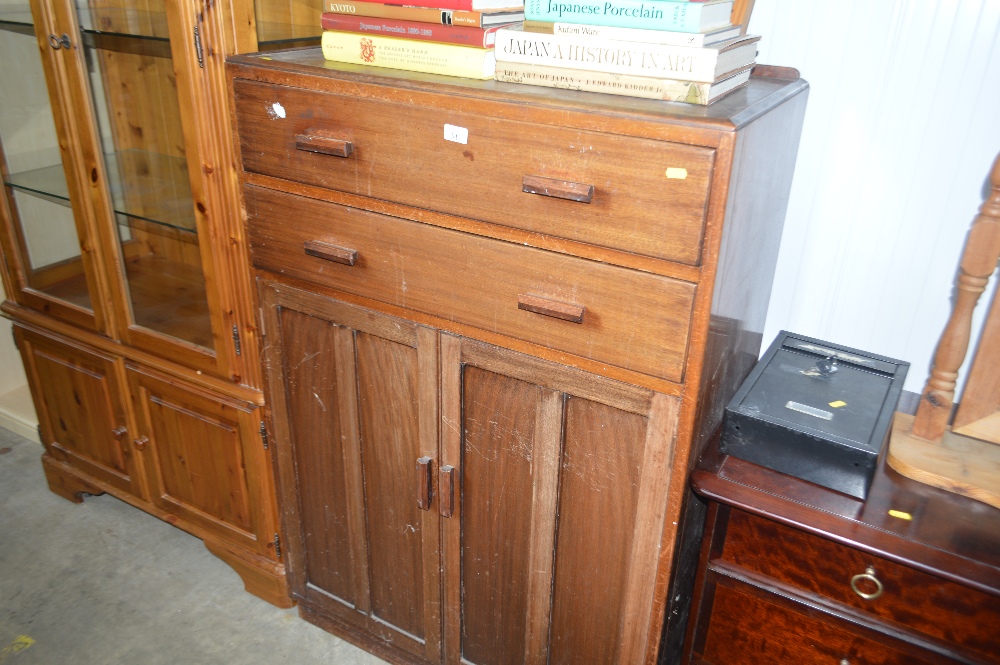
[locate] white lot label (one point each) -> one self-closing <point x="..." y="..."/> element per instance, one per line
<point x="456" y="134"/>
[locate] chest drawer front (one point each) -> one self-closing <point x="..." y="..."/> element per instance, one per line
<point x="629" y="319"/>
<point x="645" y="196"/>
<point x="747" y="628"/>
<point x="909" y="597"/>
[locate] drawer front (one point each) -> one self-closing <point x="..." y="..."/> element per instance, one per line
<point x="926" y="603"/>
<point x="649" y="197"/>
<point x="747" y="628"/>
<point x="629" y="319"/>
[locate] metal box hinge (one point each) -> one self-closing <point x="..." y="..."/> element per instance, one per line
<point x="13" y="333"/>
<point x="236" y="339"/>
<point x="197" y="48"/>
<point x="263" y="434"/>
<point x="277" y="545"/>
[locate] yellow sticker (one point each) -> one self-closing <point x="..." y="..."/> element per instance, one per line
<point x="675" y="173"/>
<point x="20" y="643"/>
<point x="900" y="514"/>
<point x="838" y="404"/>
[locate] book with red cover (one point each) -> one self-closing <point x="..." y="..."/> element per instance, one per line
<point x="387" y="27"/>
<point x="471" y="18"/>
<point x="466" y="5"/>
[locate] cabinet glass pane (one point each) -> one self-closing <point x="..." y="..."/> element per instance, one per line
<point x="135" y="95"/>
<point x="35" y="183"/>
<point x="287" y="23"/>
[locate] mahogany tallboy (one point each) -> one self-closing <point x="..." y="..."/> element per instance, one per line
<point x="795" y="573"/>
<point x="498" y="324"/>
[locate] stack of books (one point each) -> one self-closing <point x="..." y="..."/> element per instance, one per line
<point x="659" y="49"/>
<point x="450" y="37"/>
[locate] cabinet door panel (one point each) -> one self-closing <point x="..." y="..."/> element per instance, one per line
<point x="357" y="410"/>
<point x="598" y="498"/>
<point x="204" y="458"/>
<point x="78" y="398"/>
<point x="551" y="550"/>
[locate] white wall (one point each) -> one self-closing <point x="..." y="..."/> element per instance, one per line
<point x="903" y="123"/>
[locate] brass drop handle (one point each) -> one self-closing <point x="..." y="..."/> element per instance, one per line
<point x="324" y="143"/>
<point x="558" y="310"/>
<point x="558" y="189"/>
<point x="868" y="575"/>
<point x="424" y="483"/>
<point x="119" y="432"/>
<point x="140" y="443"/>
<point x="328" y="252"/>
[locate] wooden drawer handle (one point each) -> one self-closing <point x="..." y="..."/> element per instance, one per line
<point x="424" y="483"/>
<point x="560" y="189"/>
<point x="324" y="250"/>
<point x="446" y="505"/>
<point x="559" y="310"/>
<point x="141" y="442"/>
<point x="315" y="141"/>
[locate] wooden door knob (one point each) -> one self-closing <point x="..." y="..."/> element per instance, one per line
<point x="140" y="443"/>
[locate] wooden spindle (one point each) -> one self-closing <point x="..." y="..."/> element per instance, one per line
<point x="741" y="14"/>
<point x="979" y="259"/>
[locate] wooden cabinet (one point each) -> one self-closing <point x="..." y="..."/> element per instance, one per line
<point x="490" y="362"/>
<point x="795" y="573"/>
<point x="125" y="265"/>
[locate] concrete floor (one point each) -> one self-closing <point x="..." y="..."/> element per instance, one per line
<point x="103" y="583"/>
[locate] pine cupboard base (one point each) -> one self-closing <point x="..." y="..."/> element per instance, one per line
<point x="498" y="323"/>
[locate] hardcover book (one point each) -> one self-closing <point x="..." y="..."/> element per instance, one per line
<point x="445" y="34"/>
<point x="645" y="14"/>
<point x="412" y="55"/>
<point x="474" y="19"/>
<point x="647" y="87"/>
<point x="636" y="34"/>
<point x="685" y="63"/>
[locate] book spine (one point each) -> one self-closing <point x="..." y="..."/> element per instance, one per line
<point x="472" y="19"/>
<point x="646" y="14"/>
<point x="615" y="84"/>
<point x="635" y="58"/>
<point x="411" y="55"/>
<point x="666" y="37"/>
<point x="445" y="34"/>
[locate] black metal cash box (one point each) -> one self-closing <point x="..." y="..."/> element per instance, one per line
<point x="815" y="410"/>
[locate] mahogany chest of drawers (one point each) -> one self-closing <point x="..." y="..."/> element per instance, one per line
<point x="498" y="323"/>
<point x="795" y="573"/>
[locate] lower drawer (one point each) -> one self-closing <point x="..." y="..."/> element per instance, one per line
<point x="745" y="627"/>
<point x="622" y="317"/>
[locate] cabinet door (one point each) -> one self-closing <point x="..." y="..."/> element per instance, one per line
<point x="78" y="397"/>
<point x="553" y="530"/>
<point x="43" y="215"/>
<point x="354" y="399"/>
<point x="204" y="459"/>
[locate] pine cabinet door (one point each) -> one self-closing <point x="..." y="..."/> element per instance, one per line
<point x="354" y="398"/>
<point x="78" y="396"/>
<point x="553" y="526"/>
<point x="204" y="459"/>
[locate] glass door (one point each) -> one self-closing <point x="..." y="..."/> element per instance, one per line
<point x="42" y="235"/>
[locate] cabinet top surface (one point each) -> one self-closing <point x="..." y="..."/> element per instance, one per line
<point x="902" y="519"/>
<point x="731" y="112"/>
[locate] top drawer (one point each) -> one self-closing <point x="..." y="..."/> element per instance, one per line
<point x="899" y="594"/>
<point x="648" y="197"/>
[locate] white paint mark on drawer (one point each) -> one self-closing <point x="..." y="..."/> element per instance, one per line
<point x="276" y="110"/>
<point x="456" y="134"/>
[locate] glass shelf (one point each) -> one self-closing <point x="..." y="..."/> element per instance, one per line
<point x="17" y="19"/>
<point x="146" y="186"/>
<point x="273" y="35"/>
<point x="118" y="22"/>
